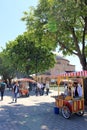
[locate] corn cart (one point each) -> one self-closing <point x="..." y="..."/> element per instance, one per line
<point x="70" y="105"/>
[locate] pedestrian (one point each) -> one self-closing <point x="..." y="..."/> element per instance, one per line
<point x="15" y="91"/>
<point x="47" y="86"/>
<point x="38" y="89"/>
<point x="42" y="88"/>
<point x="65" y="85"/>
<point x="2" y="88"/>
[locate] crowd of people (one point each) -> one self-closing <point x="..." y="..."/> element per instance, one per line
<point x="15" y="89"/>
<point x="40" y="88"/>
<point x="71" y="89"/>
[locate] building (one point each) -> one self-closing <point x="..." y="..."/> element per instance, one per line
<point x="62" y="65"/>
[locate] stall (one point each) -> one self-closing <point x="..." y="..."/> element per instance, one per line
<point x="70" y="104"/>
<point x="24" y="86"/>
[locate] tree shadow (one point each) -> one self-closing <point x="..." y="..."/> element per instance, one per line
<point x="39" y="116"/>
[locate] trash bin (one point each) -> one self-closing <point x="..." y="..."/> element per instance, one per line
<point x="56" y="110"/>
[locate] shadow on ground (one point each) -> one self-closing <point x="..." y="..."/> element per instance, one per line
<point x="40" y="116"/>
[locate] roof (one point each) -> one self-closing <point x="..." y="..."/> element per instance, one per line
<point x="60" y="58"/>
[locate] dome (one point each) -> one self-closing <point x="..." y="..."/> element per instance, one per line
<point x="60" y="58"/>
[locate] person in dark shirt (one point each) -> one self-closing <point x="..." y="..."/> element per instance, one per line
<point x="15" y="91"/>
<point x="2" y="88"/>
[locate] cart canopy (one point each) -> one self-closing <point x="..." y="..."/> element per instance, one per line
<point x="26" y="80"/>
<point x="74" y="74"/>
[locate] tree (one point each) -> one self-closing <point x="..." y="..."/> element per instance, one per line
<point x="68" y="22"/>
<point x="7" y="70"/>
<point x="71" y="28"/>
<point x="29" y="58"/>
<point x="65" y="23"/>
<point x="36" y="24"/>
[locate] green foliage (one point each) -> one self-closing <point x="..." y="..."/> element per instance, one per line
<point x="66" y="23"/>
<point x="28" y="57"/>
<point x="7" y="70"/>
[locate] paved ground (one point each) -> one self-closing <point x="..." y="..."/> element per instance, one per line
<point x="36" y="113"/>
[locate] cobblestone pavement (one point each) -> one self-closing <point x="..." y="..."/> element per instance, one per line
<point x="36" y="113"/>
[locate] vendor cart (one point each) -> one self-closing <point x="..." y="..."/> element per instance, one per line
<point x="69" y="104"/>
<point x="24" y="86"/>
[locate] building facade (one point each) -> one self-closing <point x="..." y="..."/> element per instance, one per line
<point x="62" y="65"/>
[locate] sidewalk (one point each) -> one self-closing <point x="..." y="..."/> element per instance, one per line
<point x="36" y="113"/>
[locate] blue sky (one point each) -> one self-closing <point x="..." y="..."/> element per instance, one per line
<point x="11" y="11"/>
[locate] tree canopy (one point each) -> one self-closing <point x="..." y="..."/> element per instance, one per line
<point x="27" y="57"/>
<point x="7" y="69"/>
<point x="64" y="24"/>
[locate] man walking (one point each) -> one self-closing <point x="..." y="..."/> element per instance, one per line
<point x="15" y="91"/>
<point x="47" y="86"/>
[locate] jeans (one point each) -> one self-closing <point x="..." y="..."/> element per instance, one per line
<point x="2" y="93"/>
<point x="47" y="91"/>
<point x="15" y="97"/>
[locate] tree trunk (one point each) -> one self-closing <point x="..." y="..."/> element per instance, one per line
<point x="85" y="90"/>
<point x="84" y="66"/>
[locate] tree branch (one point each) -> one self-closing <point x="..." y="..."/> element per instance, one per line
<point x="75" y="41"/>
<point x="66" y="47"/>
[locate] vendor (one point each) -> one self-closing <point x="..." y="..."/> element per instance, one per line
<point x="77" y="89"/>
<point x="68" y="91"/>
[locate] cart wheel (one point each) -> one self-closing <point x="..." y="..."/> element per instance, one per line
<point x="80" y="113"/>
<point x="66" y="112"/>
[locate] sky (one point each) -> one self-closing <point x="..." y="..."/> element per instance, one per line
<point x="11" y="12"/>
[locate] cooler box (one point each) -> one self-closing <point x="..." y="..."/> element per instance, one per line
<point x="56" y="110"/>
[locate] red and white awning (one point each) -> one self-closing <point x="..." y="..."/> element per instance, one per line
<point x="74" y="74"/>
<point x="26" y="80"/>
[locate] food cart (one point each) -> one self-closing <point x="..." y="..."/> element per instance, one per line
<point x="24" y="86"/>
<point x="70" y="105"/>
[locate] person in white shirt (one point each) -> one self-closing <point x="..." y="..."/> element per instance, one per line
<point x="47" y="86"/>
<point x="42" y="88"/>
<point x="77" y="90"/>
<point x="38" y="89"/>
